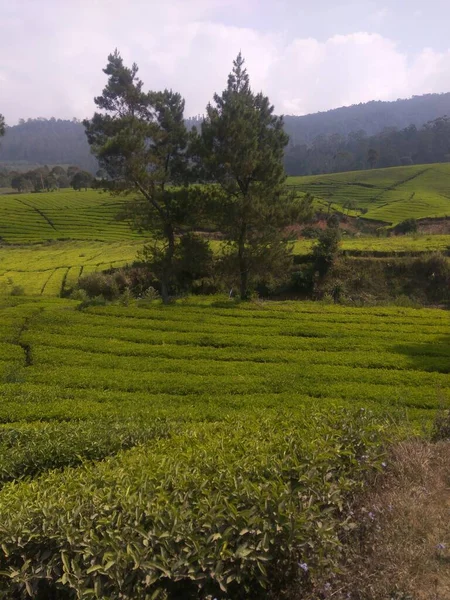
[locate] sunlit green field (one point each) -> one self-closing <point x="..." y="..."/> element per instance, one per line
<point x="144" y="445"/>
<point x="50" y="269"/>
<point x="382" y="245"/>
<point x="92" y="238"/>
<point x="53" y="268"/>
<point x="390" y="195"/>
<point x="64" y="214"/>
<point x="303" y="350"/>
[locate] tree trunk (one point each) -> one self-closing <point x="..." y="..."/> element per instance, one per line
<point x="243" y="266"/>
<point x="168" y="260"/>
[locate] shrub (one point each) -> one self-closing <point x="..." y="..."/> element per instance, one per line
<point x="193" y="263"/>
<point x="126" y="297"/>
<point x="79" y="294"/>
<point x="17" y="290"/>
<point x="406" y="226"/>
<point x="441" y="426"/>
<point x="150" y="294"/>
<point x="235" y="510"/>
<point x="95" y="301"/>
<point x="311" y="232"/>
<point x="326" y="249"/>
<point x="108" y="285"/>
<point x="302" y="280"/>
<point x="140" y="279"/>
<point x="434" y="273"/>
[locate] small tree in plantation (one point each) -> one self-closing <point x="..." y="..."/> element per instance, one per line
<point x="242" y="147"/>
<point x="140" y="140"/>
<point x="372" y="157"/>
<point x="326" y="249"/>
<point x="82" y="180"/>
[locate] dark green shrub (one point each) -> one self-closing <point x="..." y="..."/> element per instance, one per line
<point x="17" y="290"/>
<point x="433" y="272"/>
<point x="406" y="226"/>
<point x="109" y="285"/>
<point x="441" y="426"/>
<point x="333" y="220"/>
<point x="140" y="279"/>
<point x="311" y="232"/>
<point x="94" y="301"/>
<point x="193" y="264"/>
<point x="326" y="250"/>
<point x="302" y="280"/>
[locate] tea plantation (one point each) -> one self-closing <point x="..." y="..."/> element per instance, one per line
<point x="53" y="268"/>
<point x="388" y="195"/>
<point x="204" y="449"/>
<point x="63" y="214"/>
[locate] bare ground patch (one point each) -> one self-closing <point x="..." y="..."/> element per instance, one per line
<point x="402" y="551"/>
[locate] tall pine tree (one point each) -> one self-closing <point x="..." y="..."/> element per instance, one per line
<point x="242" y="149"/>
<point x="140" y="140"/>
<point x="2" y="125"/>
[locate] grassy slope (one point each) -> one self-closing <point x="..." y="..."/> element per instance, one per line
<point x="390" y="195"/>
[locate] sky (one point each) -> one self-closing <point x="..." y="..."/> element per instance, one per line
<point x="307" y="56"/>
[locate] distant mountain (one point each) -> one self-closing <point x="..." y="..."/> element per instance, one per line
<point x="371" y="117"/>
<point x="47" y="142"/>
<point x="56" y="141"/>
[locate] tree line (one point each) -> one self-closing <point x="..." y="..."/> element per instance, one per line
<point x="228" y="173"/>
<point x="390" y="148"/>
<point x="63" y="142"/>
<point x="46" y="179"/>
<point x="47" y="141"/>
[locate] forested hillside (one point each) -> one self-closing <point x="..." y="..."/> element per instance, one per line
<point x="389" y="148"/>
<point x="47" y="141"/>
<point x="371" y="117"/>
<point x="337" y="140"/>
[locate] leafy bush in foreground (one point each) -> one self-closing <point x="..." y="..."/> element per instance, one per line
<point x="26" y="451"/>
<point x="232" y="510"/>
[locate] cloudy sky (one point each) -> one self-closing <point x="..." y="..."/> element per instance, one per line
<point x="307" y="55"/>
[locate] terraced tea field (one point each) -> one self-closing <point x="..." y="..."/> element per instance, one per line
<point x="389" y="195"/>
<point x="49" y="269"/>
<point x="64" y="214"/>
<point x="95" y="240"/>
<point x="301" y="350"/>
<point x="198" y="444"/>
<point x="370" y="245"/>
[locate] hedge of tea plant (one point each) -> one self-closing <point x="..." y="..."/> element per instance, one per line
<point x="206" y="449"/>
<point x="230" y="510"/>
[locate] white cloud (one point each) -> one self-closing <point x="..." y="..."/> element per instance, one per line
<point x="52" y="64"/>
<point x="340" y="71"/>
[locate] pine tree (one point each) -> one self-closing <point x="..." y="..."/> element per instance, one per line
<point x="2" y="125"/>
<point x="242" y="149"/>
<point x="140" y="141"/>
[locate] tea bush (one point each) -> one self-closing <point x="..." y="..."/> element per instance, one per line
<point x="231" y="510"/>
<point x="205" y="449"/>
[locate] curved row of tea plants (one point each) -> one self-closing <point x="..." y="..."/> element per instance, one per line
<point x="390" y="195"/>
<point x="208" y="448"/>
